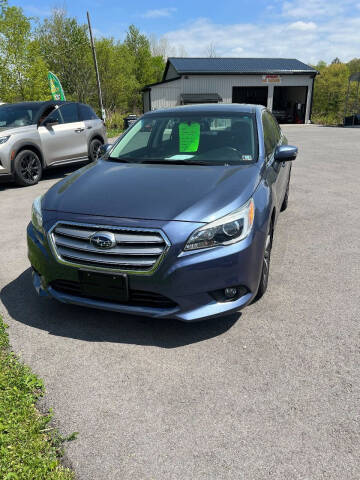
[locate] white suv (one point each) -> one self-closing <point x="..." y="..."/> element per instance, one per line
<point x="38" y="135"/>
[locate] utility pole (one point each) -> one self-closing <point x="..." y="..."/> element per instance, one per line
<point x="103" y="115"/>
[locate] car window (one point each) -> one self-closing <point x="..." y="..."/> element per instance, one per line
<point x="206" y="137"/>
<point x="270" y="138"/>
<point x="14" y="115"/>
<point x="87" y="113"/>
<point x="141" y="137"/>
<point x="277" y="131"/>
<point x="54" y="116"/>
<point x="69" y="112"/>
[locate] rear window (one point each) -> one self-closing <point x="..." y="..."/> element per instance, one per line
<point x="87" y="113"/>
<point x="69" y="112"/>
<point x="215" y="138"/>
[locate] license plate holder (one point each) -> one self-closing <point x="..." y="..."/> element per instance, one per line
<point x="105" y="286"/>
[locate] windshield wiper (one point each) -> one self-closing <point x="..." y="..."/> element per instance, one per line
<point x="116" y="159"/>
<point x="175" y="162"/>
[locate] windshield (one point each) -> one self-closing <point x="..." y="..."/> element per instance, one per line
<point x="18" y="115"/>
<point x="190" y="138"/>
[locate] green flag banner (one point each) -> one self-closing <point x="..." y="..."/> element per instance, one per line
<point x="57" y="91"/>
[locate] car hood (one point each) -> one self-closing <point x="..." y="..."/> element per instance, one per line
<point x="17" y="130"/>
<point x="194" y="193"/>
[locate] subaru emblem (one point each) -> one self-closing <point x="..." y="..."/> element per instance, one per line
<point x="103" y="240"/>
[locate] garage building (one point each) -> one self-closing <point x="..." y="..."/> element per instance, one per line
<point x="285" y="86"/>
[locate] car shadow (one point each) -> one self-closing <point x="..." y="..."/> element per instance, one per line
<point x="23" y="304"/>
<point x="55" y="173"/>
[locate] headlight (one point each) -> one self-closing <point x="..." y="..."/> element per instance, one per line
<point x="4" y="139"/>
<point x="36" y="215"/>
<point x="229" y="229"/>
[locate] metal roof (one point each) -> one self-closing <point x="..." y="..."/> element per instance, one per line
<point x="210" y="108"/>
<point x="218" y="66"/>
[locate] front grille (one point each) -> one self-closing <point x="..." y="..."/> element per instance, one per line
<point x="136" y="250"/>
<point x="138" y="298"/>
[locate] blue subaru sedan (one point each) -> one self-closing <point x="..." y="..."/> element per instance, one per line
<point x="175" y="220"/>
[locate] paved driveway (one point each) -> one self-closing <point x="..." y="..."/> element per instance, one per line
<point x="272" y="393"/>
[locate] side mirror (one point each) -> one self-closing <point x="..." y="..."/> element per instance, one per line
<point x="49" y="123"/>
<point x="285" y="153"/>
<point x="104" y="149"/>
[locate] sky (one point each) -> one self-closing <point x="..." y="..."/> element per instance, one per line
<point x="309" y="30"/>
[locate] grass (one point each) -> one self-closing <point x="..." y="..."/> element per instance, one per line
<point x="29" y="448"/>
<point x="113" y="132"/>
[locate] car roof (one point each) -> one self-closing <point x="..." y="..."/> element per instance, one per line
<point x="23" y="104"/>
<point x="209" y="108"/>
<point x="36" y="104"/>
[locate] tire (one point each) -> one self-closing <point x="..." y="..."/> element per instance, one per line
<point x="27" y="168"/>
<point x="285" y="202"/>
<point x="94" y="146"/>
<point x="266" y="264"/>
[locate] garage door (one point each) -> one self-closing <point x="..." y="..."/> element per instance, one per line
<point x="254" y="95"/>
<point x="289" y="104"/>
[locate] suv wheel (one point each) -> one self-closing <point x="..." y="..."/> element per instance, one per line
<point x="266" y="264"/>
<point x="27" y="168"/>
<point x="94" y="149"/>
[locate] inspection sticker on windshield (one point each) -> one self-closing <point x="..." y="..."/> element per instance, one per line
<point x="189" y="137"/>
<point x="247" y="157"/>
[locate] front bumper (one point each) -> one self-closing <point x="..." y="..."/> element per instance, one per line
<point x="187" y="279"/>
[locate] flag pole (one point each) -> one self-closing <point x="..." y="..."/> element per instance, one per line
<point x="103" y="116"/>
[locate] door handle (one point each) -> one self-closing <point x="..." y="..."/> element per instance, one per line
<point x="79" y="130"/>
<point x="89" y="126"/>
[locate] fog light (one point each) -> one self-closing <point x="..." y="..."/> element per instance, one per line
<point x="230" y="292"/>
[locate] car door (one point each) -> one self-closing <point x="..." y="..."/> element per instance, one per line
<point x="62" y="135"/>
<point x="93" y="124"/>
<point x="274" y="169"/>
<point x="283" y="167"/>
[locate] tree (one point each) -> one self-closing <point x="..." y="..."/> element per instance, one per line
<point x="330" y="93"/>
<point x="23" y="70"/>
<point x="139" y="47"/>
<point x="162" y="48"/>
<point x="65" y="47"/>
<point x="354" y="65"/>
<point x="211" y="51"/>
<point x="118" y="81"/>
<point x="320" y="65"/>
<point x="3" y="5"/>
<point x="146" y="68"/>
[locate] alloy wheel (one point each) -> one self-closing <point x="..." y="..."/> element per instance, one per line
<point x="30" y="168"/>
<point x="95" y="149"/>
<point x="266" y="262"/>
<point x="264" y="279"/>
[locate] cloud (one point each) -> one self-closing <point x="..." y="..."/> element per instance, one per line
<point x="317" y="8"/>
<point x="159" y="13"/>
<point x="310" y="42"/>
<point x="304" y="26"/>
<point x="311" y="8"/>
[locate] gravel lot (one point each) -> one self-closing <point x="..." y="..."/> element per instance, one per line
<point x="271" y="393"/>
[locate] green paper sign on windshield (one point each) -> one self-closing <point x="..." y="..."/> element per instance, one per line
<point x="189" y="137"/>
